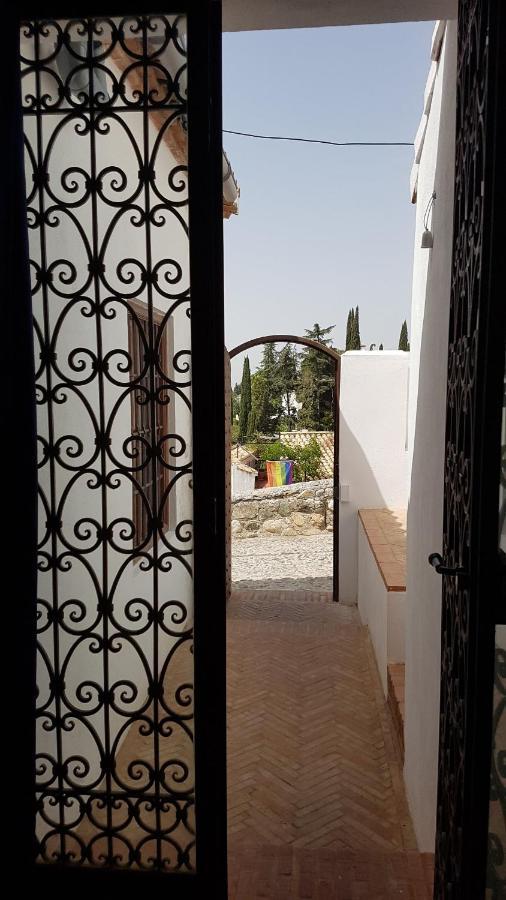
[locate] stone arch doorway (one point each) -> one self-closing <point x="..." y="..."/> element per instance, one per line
<point x="326" y="351"/>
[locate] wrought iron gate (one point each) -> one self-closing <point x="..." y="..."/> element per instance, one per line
<point x="123" y="179"/>
<point x="471" y="586"/>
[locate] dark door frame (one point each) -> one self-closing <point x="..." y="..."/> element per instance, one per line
<point x="334" y="355"/>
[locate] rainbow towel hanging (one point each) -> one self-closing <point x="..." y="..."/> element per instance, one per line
<point x="279" y="472"/>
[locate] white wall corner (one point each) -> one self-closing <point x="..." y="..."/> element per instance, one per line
<point x="420" y="137"/>
<point x="429" y="88"/>
<point x="437" y="39"/>
<point x="413" y="182"/>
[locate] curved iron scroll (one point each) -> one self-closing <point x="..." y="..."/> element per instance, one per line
<point x="104" y="102"/>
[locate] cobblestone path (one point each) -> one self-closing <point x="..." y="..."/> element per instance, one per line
<point x="283" y="563"/>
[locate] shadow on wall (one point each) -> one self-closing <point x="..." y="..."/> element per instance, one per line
<point x="425" y="508"/>
<point x="356" y="471"/>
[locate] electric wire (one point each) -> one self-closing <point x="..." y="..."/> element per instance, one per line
<point x="279" y="137"/>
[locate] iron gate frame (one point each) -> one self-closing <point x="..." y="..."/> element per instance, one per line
<point x="473" y="600"/>
<point x="207" y="335"/>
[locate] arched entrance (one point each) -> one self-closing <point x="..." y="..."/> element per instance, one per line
<point x="327" y="351"/>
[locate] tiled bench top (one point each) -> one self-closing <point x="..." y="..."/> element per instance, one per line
<point x="386" y="533"/>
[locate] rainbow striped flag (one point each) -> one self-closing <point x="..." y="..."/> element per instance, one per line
<point x="279" y="472"/>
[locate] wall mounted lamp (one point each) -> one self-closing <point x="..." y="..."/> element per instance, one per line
<point x="427" y="236"/>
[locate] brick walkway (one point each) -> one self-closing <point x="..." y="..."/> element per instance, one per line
<point x="316" y="799"/>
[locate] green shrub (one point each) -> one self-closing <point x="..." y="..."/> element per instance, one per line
<point x="276" y="450"/>
<point x="308" y="461"/>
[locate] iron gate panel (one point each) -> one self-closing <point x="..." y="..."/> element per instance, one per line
<point x="106" y="126"/>
<point x="475" y="354"/>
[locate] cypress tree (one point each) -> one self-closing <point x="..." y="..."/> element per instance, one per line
<point x="349" y="327"/>
<point x="357" y="343"/>
<point x="245" y="406"/>
<point x="403" y="337"/>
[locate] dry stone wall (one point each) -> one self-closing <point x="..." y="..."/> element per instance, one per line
<point x="295" y="509"/>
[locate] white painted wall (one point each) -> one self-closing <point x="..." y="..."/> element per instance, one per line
<point x="426" y="429"/>
<point x="372" y="446"/>
<point x="372" y="604"/>
<point x="243" y="482"/>
<point x="381" y="610"/>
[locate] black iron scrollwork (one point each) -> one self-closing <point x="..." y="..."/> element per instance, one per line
<point x="472" y="81"/>
<point x="105" y="130"/>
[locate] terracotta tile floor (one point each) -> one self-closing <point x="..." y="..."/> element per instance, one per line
<point x="316" y="798"/>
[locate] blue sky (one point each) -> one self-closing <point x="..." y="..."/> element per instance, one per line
<point x="321" y="229"/>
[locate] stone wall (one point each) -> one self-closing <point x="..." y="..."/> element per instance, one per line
<point x="295" y="509"/>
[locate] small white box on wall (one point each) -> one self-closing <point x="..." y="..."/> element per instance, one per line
<point x="344" y="493"/>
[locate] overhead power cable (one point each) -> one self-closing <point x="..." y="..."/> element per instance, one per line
<point x="279" y="137"/>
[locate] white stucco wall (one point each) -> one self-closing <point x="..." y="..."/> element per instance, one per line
<point x="426" y="429"/>
<point x="243" y="482"/>
<point x="372" y="446"/>
<point x="372" y="604"/>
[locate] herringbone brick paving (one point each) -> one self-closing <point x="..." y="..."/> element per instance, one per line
<point x="316" y="799"/>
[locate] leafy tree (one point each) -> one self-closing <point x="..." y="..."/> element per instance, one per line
<point x="372" y="346"/>
<point x="269" y="402"/>
<point x="316" y="382"/>
<point x="245" y="404"/>
<point x="288" y="377"/>
<point x="308" y="461"/>
<point x="380" y="347"/>
<point x="403" y="337"/>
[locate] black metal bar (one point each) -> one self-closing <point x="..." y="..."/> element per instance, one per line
<point x="208" y="340"/>
<point x="19" y="453"/>
<point x="336" y="501"/>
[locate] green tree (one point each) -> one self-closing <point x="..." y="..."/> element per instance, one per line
<point x="245" y="402"/>
<point x="403" y="337"/>
<point x="316" y="382"/>
<point x="259" y="404"/>
<point x="380" y="347"/>
<point x="349" y="330"/>
<point x="307" y="461"/>
<point x="269" y="406"/>
<point x="356" y="340"/>
<point x="288" y="377"/>
<point x="235" y="403"/>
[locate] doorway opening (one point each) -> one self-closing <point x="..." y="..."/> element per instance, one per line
<point x="316" y="690"/>
<point x="296" y="515"/>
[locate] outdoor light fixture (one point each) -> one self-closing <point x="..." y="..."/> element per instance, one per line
<point x="427" y="236"/>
